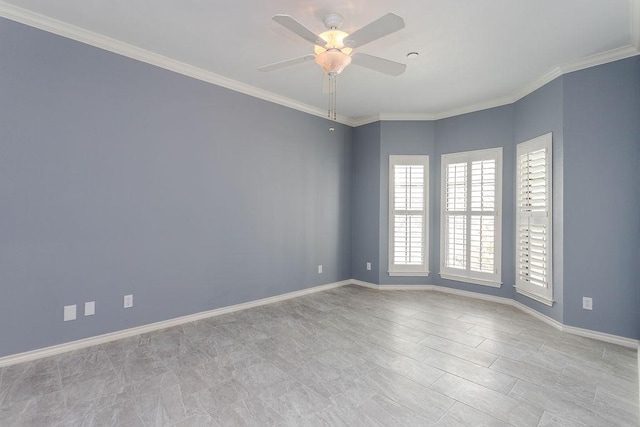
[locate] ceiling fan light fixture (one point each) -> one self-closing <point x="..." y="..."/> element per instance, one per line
<point x="334" y="39"/>
<point x="333" y="61"/>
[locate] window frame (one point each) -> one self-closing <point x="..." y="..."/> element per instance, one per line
<point x="467" y="275"/>
<point x="404" y="269"/>
<point x="523" y="287"/>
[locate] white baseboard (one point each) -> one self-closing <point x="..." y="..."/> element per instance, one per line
<point x="126" y="333"/>
<point x="101" y="339"/>
<point x="392" y="287"/>
<point x="601" y="336"/>
<point x="469" y="294"/>
<point x="364" y="284"/>
<point x="587" y="333"/>
<point x="405" y="287"/>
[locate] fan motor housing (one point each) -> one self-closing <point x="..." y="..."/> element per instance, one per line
<point x="333" y="20"/>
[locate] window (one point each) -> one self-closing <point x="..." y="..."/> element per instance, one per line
<point x="471" y="228"/>
<point x="408" y="215"/>
<point x="533" y="219"/>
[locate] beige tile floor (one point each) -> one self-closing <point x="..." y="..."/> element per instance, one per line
<point x="345" y="357"/>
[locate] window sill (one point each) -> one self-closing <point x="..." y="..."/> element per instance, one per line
<point x="408" y="273"/>
<point x="533" y="296"/>
<point x="472" y="280"/>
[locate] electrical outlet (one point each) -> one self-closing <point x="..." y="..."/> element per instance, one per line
<point x="587" y="303"/>
<point x="128" y="301"/>
<point x="368" y="266"/>
<point x="89" y="308"/>
<point x="69" y="312"/>
<point x="320" y="269"/>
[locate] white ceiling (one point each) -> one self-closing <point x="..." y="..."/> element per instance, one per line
<point x="473" y="54"/>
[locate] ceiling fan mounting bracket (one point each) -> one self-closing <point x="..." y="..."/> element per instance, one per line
<point x="333" y="21"/>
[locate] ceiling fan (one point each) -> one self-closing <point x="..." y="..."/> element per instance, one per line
<point x="334" y="48"/>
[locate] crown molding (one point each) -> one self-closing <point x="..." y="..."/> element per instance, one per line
<point x="600" y="58"/>
<point x="72" y="32"/>
<point x="536" y="84"/>
<point x="577" y="65"/>
<point x="63" y="29"/>
<point x="569" y="67"/>
<point x="388" y="117"/>
<point x="407" y="117"/>
<point x="365" y="120"/>
<point x="485" y="105"/>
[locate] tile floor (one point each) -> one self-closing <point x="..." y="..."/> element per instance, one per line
<point x="349" y="356"/>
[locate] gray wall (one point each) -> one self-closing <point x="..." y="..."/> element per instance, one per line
<point x="602" y="197"/>
<point x="475" y="131"/>
<point x="118" y="177"/>
<point x="404" y="138"/>
<point x="365" y="220"/>
<point x="536" y="114"/>
<point x="594" y="115"/>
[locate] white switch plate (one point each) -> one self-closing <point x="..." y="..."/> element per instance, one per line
<point x="89" y="308"/>
<point x="128" y="301"/>
<point x="69" y="312"/>
<point x="587" y="303"/>
<point x="320" y="269"/>
<point x="368" y="266"/>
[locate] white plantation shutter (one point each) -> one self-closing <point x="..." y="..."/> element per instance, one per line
<point x="482" y="230"/>
<point x="456" y="225"/>
<point x="408" y="219"/>
<point x="533" y="219"/>
<point x="471" y="226"/>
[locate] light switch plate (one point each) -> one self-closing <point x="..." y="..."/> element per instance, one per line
<point x="128" y="301"/>
<point x="89" y="308"/>
<point x="69" y="312"/>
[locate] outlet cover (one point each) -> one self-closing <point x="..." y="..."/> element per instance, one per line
<point x="320" y="269"/>
<point x="69" y="312"/>
<point x="587" y="303"/>
<point x="368" y="266"/>
<point x="128" y="301"/>
<point x="89" y="308"/>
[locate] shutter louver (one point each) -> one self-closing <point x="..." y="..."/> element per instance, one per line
<point x="482" y="242"/>
<point x="407" y="242"/>
<point x="456" y="241"/>
<point x="456" y="186"/>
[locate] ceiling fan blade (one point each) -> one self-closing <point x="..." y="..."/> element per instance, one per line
<point x="387" y="24"/>
<point x="286" y="63"/>
<point x="292" y="25"/>
<point x="378" y="64"/>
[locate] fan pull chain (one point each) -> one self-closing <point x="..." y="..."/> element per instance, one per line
<point x="333" y="89"/>
<point x="329" y="112"/>
<point x="329" y="106"/>
<point x="335" y="97"/>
